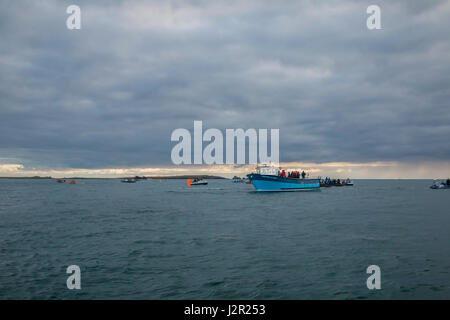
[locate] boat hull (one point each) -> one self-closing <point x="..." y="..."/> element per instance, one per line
<point x="442" y="186"/>
<point x="199" y="183"/>
<point x="276" y="183"/>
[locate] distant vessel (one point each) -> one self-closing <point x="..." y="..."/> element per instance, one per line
<point x="268" y="178"/>
<point x="437" y="184"/>
<point x="238" y="180"/>
<point x="348" y="182"/>
<point x="128" y="180"/>
<point x="335" y="183"/>
<point x="198" y="182"/>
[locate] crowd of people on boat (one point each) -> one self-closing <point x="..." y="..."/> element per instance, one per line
<point x="293" y="174"/>
<point x="336" y="182"/>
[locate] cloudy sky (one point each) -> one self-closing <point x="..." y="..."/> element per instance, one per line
<point x="103" y="100"/>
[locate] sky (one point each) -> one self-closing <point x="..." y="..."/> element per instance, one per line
<point x="104" y="100"/>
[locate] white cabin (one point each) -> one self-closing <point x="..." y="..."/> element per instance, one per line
<point x="269" y="170"/>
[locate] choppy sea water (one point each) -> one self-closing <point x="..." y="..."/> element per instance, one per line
<point x="164" y="240"/>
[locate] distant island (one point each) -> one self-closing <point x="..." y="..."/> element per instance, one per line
<point x="135" y="177"/>
<point x="35" y="177"/>
<point x="186" y="177"/>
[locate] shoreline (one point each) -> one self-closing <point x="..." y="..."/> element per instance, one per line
<point x="115" y="178"/>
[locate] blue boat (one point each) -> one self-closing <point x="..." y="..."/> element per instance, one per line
<point x="268" y="178"/>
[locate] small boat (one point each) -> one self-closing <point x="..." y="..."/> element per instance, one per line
<point x="336" y="183"/>
<point x="60" y="180"/>
<point x="348" y="182"/>
<point x="437" y="184"/>
<point x="72" y="182"/>
<point x="198" y="182"/>
<point x="238" y="180"/>
<point x="268" y="178"/>
<point x="128" y="180"/>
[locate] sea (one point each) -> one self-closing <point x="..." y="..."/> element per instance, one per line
<point x="164" y="240"/>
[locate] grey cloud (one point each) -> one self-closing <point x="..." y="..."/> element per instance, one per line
<point x="111" y="93"/>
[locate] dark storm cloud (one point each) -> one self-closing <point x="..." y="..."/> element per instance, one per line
<point x="111" y="94"/>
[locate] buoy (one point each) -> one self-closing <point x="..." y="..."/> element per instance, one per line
<point x="72" y="182"/>
<point x="189" y="182"/>
<point x="159" y="180"/>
